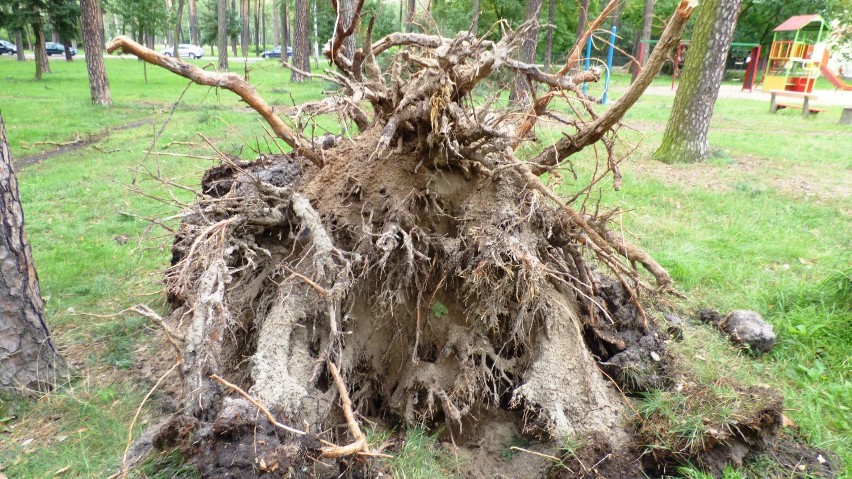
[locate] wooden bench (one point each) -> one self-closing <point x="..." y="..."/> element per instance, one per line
<point x="805" y="106"/>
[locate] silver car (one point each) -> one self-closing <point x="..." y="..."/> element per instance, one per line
<point x="185" y="50"/>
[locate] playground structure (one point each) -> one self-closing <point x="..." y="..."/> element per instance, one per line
<point x="797" y="57"/>
<point x="797" y="54"/>
<point x="609" y="51"/>
<point x="749" y="62"/>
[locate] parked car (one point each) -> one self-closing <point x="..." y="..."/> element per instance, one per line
<point x="54" y="48"/>
<point x="185" y="50"/>
<point x="276" y="53"/>
<point x="8" y="47"/>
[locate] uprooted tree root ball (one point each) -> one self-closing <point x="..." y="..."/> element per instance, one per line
<point x="417" y="272"/>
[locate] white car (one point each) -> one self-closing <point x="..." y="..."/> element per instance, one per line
<point x="185" y="50"/>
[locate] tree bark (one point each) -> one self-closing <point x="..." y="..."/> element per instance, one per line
<point x="522" y="93"/>
<point x="685" y="138"/>
<point x="548" y="52"/>
<point x="583" y="19"/>
<point x="19" y="44"/>
<point x="42" y="64"/>
<point x="29" y="362"/>
<point x="234" y="38"/>
<point x="256" y="27"/>
<point x="276" y="32"/>
<point x="222" y="11"/>
<point x="178" y="20"/>
<point x="244" y="19"/>
<point x="194" y="33"/>
<point x="92" y="41"/>
<point x="409" y="15"/>
<point x="474" y="16"/>
<point x="263" y="25"/>
<point x="301" y="47"/>
<point x="285" y="30"/>
<point x="645" y="34"/>
<point x="347" y="13"/>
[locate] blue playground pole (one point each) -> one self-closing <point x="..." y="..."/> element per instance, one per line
<point x="588" y="58"/>
<point x="608" y="64"/>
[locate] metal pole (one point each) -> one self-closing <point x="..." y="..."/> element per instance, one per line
<point x="588" y="58"/>
<point x="609" y="63"/>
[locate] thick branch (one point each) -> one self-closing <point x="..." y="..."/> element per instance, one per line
<point x="228" y="81"/>
<point x="399" y="38"/>
<point x="569" y="145"/>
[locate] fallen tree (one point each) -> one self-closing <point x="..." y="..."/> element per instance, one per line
<point x="415" y="268"/>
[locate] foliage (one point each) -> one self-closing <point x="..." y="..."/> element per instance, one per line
<point x="141" y="16"/>
<point x="208" y="24"/>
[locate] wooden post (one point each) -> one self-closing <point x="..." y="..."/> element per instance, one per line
<point x="806" y="107"/>
<point x="773" y="106"/>
<point x="846" y="116"/>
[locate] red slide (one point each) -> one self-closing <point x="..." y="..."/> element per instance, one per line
<point x="834" y="78"/>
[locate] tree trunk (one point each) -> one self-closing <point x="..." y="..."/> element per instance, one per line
<point x="234" y="38"/>
<point x="42" y="64"/>
<point x="178" y="20"/>
<point x="276" y="31"/>
<point x="301" y="47"/>
<point x="685" y="139"/>
<point x="583" y="19"/>
<point x="256" y="27"/>
<point x="645" y="34"/>
<point x="98" y="81"/>
<point x="222" y="11"/>
<point x="548" y="52"/>
<point x="29" y="362"/>
<point x="169" y="34"/>
<point x="263" y="24"/>
<point x="194" y="34"/>
<point x="474" y="15"/>
<point x="522" y="93"/>
<point x="19" y="44"/>
<point x="347" y="13"/>
<point x="244" y="19"/>
<point x="409" y="15"/>
<point x="285" y="30"/>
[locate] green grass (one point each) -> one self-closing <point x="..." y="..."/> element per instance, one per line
<point x="735" y="232"/>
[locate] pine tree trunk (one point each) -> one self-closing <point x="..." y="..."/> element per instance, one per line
<point x="263" y="24"/>
<point x="222" y="11"/>
<point x="347" y="12"/>
<point x="276" y="31"/>
<point x="98" y="81"/>
<point x="234" y="38"/>
<point x="256" y="28"/>
<point x="285" y="30"/>
<point x="583" y="19"/>
<point x="548" y="52"/>
<point x="474" y="15"/>
<point x="29" y="362"/>
<point x="194" y="34"/>
<point x="523" y="89"/>
<point x="178" y="20"/>
<point x="685" y="139"/>
<point x="301" y="47"/>
<point x="244" y="18"/>
<point x="409" y="15"/>
<point x="42" y="64"/>
<point x="645" y="34"/>
<point x="19" y="44"/>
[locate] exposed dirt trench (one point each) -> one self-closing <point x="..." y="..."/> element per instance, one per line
<point x="91" y="139"/>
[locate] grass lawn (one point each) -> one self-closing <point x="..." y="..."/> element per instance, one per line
<point x="764" y="225"/>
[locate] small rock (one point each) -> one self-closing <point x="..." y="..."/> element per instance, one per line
<point x="748" y="327"/>
<point x="676" y="326"/>
<point x="709" y="316"/>
<point x="656" y="357"/>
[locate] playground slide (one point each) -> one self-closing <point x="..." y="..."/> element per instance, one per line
<point x="834" y="78"/>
